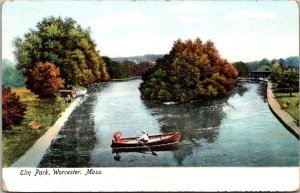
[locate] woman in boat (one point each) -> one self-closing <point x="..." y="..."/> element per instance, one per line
<point x="144" y="137"/>
<point x="117" y="137"/>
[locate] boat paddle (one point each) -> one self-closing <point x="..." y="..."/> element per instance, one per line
<point x="153" y="153"/>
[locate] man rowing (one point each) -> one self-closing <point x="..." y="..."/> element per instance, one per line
<point x="143" y="138"/>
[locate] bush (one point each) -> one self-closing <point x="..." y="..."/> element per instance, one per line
<point x="13" y="110"/>
<point x="44" y="80"/>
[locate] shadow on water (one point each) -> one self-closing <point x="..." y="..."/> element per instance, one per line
<point x="198" y="122"/>
<point x="75" y="141"/>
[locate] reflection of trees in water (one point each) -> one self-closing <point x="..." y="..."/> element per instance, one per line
<point x="262" y="91"/>
<point x="240" y="89"/>
<point x="75" y="141"/>
<point x="198" y="121"/>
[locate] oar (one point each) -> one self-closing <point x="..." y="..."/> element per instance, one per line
<point x="148" y="148"/>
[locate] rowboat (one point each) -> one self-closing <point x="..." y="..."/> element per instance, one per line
<point x="155" y="141"/>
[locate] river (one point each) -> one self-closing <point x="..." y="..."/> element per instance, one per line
<point x="236" y="130"/>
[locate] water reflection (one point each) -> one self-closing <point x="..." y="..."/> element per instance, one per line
<point x="198" y="122"/>
<point x="75" y="141"/>
<point x="262" y="91"/>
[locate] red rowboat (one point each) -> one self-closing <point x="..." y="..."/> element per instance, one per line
<point x="158" y="140"/>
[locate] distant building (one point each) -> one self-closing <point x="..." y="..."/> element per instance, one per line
<point x="261" y="72"/>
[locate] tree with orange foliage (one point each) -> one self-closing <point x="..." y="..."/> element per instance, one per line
<point x="192" y="70"/>
<point x="44" y="80"/>
<point x="12" y="109"/>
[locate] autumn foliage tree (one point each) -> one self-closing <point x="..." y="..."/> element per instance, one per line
<point x="12" y="109"/>
<point x="44" y="80"/>
<point x="192" y="70"/>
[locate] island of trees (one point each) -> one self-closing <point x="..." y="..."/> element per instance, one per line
<point x="192" y="70"/>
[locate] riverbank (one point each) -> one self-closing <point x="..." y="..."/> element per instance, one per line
<point x="126" y="79"/>
<point x="17" y="140"/>
<point x="34" y="155"/>
<point x="281" y="115"/>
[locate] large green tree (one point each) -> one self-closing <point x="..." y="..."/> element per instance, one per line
<point x="276" y="72"/>
<point x="66" y="44"/>
<point x="120" y="70"/>
<point x="242" y="68"/>
<point x="289" y="81"/>
<point x="192" y="70"/>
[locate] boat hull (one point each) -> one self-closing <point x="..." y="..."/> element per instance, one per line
<point x="155" y="141"/>
<point x="163" y="147"/>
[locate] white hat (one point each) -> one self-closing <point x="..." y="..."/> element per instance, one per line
<point x="143" y="131"/>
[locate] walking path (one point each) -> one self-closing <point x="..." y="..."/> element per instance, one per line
<point x="35" y="154"/>
<point x="282" y="116"/>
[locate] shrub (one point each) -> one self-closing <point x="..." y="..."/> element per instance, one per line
<point x="44" y="80"/>
<point x="12" y="109"/>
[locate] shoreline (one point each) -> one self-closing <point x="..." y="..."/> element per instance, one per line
<point x="125" y="79"/>
<point x="286" y="120"/>
<point x="34" y="155"/>
<point x="281" y="115"/>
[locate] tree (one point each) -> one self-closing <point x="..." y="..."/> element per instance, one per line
<point x="281" y="62"/>
<point x="12" y="76"/>
<point x="242" y="68"/>
<point x="119" y="70"/>
<point x="276" y="73"/>
<point x="264" y="62"/>
<point x="66" y="44"/>
<point x="289" y="81"/>
<point x="44" y="80"/>
<point x="13" y="110"/>
<point x="274" y="61"/>
<point x="192" y="70"/>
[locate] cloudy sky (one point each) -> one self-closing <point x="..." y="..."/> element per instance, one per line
<point x="241" y="30"/>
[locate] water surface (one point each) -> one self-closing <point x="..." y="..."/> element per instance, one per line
<point x="236" y="130"/>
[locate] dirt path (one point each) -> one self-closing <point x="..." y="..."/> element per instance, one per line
<point x="34" y="155"/>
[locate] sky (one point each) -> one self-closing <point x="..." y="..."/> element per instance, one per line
<point x="241" y="30"/>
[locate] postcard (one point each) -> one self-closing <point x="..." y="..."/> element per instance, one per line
<point x="159" y="96"/>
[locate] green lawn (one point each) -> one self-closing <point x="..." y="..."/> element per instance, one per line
<point x="19" y="139"/>
<point x="293" y="108"/>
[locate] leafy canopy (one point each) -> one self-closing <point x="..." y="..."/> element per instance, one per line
<point x="11" y="76"/>
<point x="66" y="44"/>
<point x="44" y="80"/>
<point x="192" y="70"/>
<point x="288" y="81"/>
<point x="242" y="69"/>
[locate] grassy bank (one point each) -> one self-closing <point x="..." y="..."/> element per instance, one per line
<point x="19" y="139"/>
<point x="293" y="108"/>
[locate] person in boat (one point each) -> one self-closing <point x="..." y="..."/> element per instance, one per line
<point x="117" y="137"/>
<point x="143" y="138"/>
